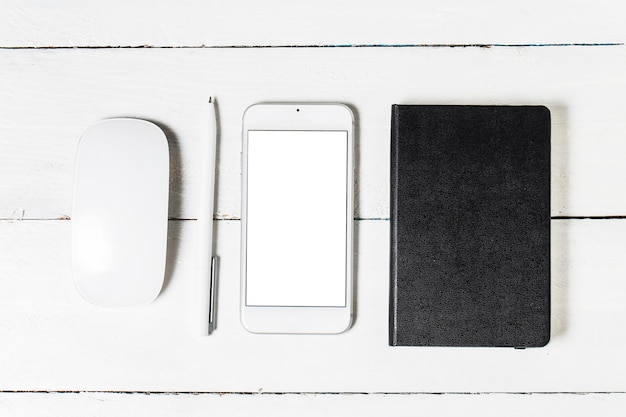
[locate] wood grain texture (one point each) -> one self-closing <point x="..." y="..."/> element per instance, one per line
<point x="50" y="339"/>
<point x="49" y="97"/>
<point x="232" y="405"/>
<point x="251" y="23"/>
<point x="54" y="340"/>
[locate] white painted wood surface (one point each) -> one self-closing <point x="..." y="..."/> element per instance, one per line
<point x="305" y="405"/>
<point x="51" y="96"/>
<point x="284" y="22"/>
<point x="56" y="341"/>
<point x="51" y="340"/>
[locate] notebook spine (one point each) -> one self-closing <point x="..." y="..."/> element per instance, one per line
<point x="393" y="259"/>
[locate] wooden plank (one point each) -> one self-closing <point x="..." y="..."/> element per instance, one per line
<point x="53" y="340"/>
<point x="246" y="22"/>
<point x="49" y="97"/>
<point x="189" y="405"/>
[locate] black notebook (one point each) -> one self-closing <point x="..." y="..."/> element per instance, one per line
<point x="470" y="226"/>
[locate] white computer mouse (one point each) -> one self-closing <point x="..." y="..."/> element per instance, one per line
<point x="119" y="213"/>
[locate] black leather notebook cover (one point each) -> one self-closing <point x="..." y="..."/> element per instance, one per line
<point x="470" y="226"/>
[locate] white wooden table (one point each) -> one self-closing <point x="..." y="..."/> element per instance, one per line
<point x="66" y="65"/>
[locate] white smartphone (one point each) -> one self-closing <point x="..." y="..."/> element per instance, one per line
<point x="297" y="218"/>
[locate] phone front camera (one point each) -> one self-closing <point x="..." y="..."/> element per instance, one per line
<point x="297" y="109"/>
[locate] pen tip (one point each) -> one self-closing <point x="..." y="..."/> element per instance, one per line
<point x="210" y="99"/>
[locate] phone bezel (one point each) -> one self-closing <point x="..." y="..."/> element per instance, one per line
<point x="285" y="319"/>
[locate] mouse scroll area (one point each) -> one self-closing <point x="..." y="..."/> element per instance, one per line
<point x="120" y="212"/>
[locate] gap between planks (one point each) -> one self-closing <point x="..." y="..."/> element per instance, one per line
<point x="357" y="219"/>
<point x="381" y="45"/>
<point x="312" y="393"/>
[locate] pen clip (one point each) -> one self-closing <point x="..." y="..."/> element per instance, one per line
<point x="212" y="291"/>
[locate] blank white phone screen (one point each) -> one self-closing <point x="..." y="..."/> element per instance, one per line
<point x="296" y="218"/>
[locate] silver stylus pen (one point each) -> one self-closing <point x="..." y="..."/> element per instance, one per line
<point x="206" y="263"/>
